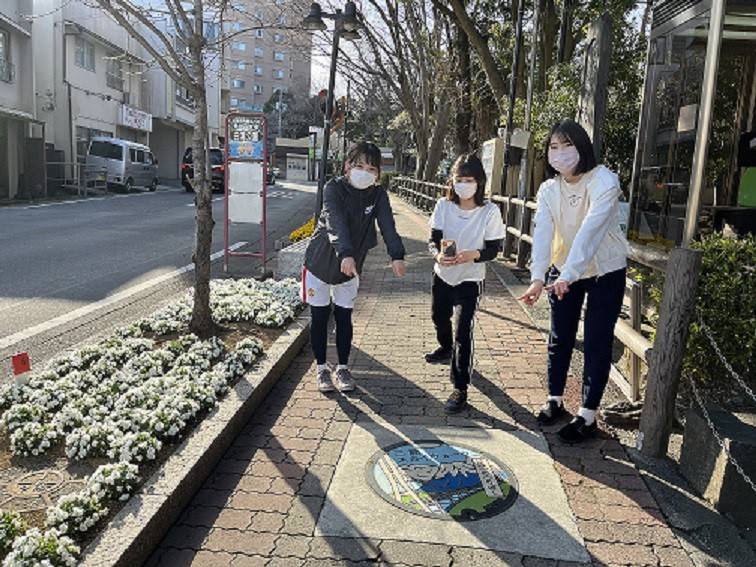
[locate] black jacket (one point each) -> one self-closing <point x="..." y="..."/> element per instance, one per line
<point x="346" y="227"/>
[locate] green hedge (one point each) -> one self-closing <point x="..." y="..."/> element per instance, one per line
<point x="726" y="299"/>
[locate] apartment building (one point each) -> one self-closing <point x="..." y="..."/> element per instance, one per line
<point x="99" y="81"/>
<point x="20" y="132"/>
<point x="264" y="55"/>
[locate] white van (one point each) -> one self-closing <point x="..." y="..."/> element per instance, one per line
<point x="121" y="163"/>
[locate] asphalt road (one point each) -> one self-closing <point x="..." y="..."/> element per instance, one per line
<point x="72" y="271"/>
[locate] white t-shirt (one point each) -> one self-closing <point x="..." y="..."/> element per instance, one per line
<point x="469" y="229"/>
<point x="573" y="208"/>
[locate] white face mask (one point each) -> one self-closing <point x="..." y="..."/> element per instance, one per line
<point x="465" y="190"/>
<point x="361" y="179"/>
<point x="564" y="160"/>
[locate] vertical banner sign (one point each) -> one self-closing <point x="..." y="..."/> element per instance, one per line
<point x="246" y="166"/>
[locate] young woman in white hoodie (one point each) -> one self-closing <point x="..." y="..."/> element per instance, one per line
<point x="578" y="252"/>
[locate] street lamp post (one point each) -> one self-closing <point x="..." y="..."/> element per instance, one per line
<point x="346" y="24"/>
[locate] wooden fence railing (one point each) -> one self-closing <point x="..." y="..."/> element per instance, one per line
<point x="518" y="215"/>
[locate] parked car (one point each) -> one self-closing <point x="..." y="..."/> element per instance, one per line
<point x="121" y="163"/>
<point x="217" y="170"/>
<point x="218" y="173"/>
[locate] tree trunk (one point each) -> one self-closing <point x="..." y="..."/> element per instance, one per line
<point x="202" y="322"/>
<point x="463" y="118"/>
<point x="435" y="149"/>
<point x="549" y="32"/>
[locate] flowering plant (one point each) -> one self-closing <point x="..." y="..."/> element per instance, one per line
<point x="95" y="440"/>
<point x="12" y="525"/>
<point x="33" y="439"/>
<point x="113" y="481"/>
<point x="76" y="512"/>
<point x="138" y="447"/>
<point x="42" y="549"/>
<point x="19" y="415"/>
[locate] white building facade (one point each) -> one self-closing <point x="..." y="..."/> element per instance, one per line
<point x="21" y="144"/>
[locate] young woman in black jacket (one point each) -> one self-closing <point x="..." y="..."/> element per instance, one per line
<point x="352" y="205"/>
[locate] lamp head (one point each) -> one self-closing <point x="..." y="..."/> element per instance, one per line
<point x="349" y="19"/>
<point x="314" y="20"/>
<point x="352" y="35"/>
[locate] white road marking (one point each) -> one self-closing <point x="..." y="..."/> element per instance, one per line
<point x="87" y="309"/>
<point x="77" y="201"/>
<point x="214" y="200"/>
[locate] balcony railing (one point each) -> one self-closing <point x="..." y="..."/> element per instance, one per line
<point x="7" y="71"/>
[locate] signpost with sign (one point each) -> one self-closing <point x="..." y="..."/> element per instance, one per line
<point x="246" y="170"/>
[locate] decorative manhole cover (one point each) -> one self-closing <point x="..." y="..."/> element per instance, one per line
<point x="38" y="490"/>
<point x="444" y="481"/>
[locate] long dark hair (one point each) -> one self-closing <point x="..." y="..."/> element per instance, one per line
<point x="467" y="165"/>
<point x="572" y="131"/>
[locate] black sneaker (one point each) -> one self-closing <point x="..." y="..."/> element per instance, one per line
<point x="441" y="354"/>
<point x="577" y="430"/>
<point x="550" y="412"/>
<point x="456" y="402"/>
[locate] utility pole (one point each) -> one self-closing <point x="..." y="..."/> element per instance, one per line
<point x="346" y="120"/>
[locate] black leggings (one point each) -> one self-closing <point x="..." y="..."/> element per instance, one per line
<point x="319" y="332"/>
<point x="465" y="298"/>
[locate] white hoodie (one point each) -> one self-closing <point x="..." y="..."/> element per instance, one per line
<point x="599" y="243"/>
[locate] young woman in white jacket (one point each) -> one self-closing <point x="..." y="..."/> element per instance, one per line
<point x="580" y="252"/>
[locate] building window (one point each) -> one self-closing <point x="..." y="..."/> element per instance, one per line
<point x="234" y="101"/>
<point x="258" y="89"/>
<point x="258" y="33"/>
<point x="258" y="70"/>
<point x="6" y="67"/>
<point x="239" y="46"/>
<point x="259" y="15"/>
<point x="242" y="103"/>
<point x="239" y="27"/>
<point x="279" y="56"/>
<point x="279" y="2"/>
<point x="258" y="51"/>
<point x="211" y="30"/>
<point x="281" y="20"/>
<point x="114" y="72"/>
<point x="237" y="84"/>
<point x="241" y="65"/>
<point x="240" y="7"/>
<point x="84" y="54"/>
<point x="182" y="96"/>
<point x="278" y="37"/>
<point x="278" y="73"/>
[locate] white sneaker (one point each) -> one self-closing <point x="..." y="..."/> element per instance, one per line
<point x="325" y="383"/>
<point x="344" y="380"/>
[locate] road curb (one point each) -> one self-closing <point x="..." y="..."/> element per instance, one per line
<point x="138" y="528"/>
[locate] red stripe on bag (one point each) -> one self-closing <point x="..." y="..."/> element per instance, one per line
<point x="304" y="285"/>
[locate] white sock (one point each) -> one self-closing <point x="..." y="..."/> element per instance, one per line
<point x="341" y="367"/>
<point x="589" y="415"/>
<point x="322" y="367"/>
<point x="557" y="399"/>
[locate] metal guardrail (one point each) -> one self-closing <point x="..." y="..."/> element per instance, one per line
<point x="518" y="215"/>
<point x="68" y="176"/>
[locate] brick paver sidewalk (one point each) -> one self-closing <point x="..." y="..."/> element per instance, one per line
<point x="262" y="503"/>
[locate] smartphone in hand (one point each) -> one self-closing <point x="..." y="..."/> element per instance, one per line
<point x="449" y="247"/>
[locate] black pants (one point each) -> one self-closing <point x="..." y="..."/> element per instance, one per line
<point x="602" y="310"/>
<point x="461" y="301"/>
<point x="319" y="332"/>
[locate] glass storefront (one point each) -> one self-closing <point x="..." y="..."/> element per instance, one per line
<point x="669" y="125"/>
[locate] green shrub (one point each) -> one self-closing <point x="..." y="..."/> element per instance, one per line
<point x="726" y="301"/>
<point x="387" y="177"/>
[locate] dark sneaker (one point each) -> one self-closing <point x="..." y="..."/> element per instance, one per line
<point x="456" y="402"/>
<point x="441" y="354"/>
<point x="550" y="412"/>
<point x="577" y="430"/>
<point x="344" y="380"/>
<point x="325" y="383"/>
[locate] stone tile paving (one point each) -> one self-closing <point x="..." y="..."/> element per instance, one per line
<point x="261" y="504"/>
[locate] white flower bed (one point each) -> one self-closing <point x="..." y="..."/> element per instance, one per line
<point x="42" y="549"/>
<point x="123" y="398"/>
